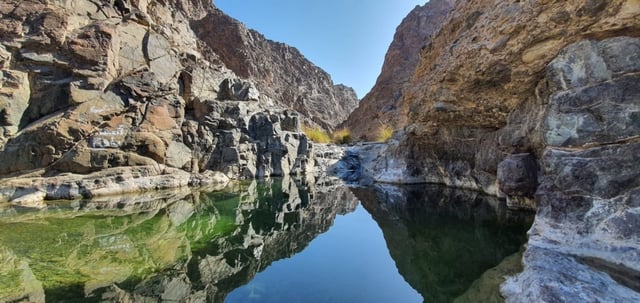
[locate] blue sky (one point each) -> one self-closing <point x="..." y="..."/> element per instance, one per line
<point x="346" y="38"/>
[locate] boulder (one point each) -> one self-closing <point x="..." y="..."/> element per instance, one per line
<point x="238" y="90"/>
<point x="518" y="180"/>
<point x="178" y="155"/>
<point x="14" y="99"/>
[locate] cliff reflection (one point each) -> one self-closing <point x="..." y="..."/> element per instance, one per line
<point x="171" y="246"/>
<point x="444" y="239"/>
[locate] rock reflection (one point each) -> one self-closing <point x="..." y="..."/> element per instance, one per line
<point x="187" y="246"/>
<point x="443" y="239"/>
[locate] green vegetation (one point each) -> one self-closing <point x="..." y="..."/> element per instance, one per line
<point x="68" y="251"/>
<point x="214" y="218"/>
<point x="385" y="132"/>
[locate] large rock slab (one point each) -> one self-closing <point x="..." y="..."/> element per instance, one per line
<point x="550" y="276"/>
<point x="584" y="244"/>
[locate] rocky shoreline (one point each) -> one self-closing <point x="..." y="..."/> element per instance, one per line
<point x="536" y="102"/>
<point x="34" y="189"/>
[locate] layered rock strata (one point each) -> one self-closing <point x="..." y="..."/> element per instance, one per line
<point x="91" y="87"/>
<point x="535" y="102"/>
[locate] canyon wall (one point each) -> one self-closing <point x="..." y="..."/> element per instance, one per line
<point x="536" y="102"/>
<point x="279" y="71"/>
<point x="381" y="106"/>
<point x="94" y="87"/>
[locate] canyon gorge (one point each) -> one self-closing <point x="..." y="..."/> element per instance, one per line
<point x="535" y="103"/>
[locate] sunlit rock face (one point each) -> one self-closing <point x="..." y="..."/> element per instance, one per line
<point x="588" y="196"/>
<point x="280" y="71"/>
<point x="535" y="102"/>
<point x="177" y="246"/>
<point x="89" y="86"/>
<point x="382" y="105"/>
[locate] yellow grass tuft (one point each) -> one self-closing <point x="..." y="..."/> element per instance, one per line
<point x="316" y="134"/>
<point x="341" y="136"/>
<point x="385" y="132"/>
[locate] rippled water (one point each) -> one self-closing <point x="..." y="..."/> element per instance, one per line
<point x="274" y="241"/>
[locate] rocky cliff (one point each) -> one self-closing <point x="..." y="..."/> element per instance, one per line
<point x="278" y="70"/>
<point x="94" y="86"/>
<point x="537" y="102"/>
<point x="383" y="103"/>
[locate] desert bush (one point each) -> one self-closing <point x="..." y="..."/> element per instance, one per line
<point x="316" y="134"/>
<point x="341" y="136"/>
<point x="385" y="132"/>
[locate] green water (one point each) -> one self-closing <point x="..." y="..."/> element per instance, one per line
<point x="273" y="241"/>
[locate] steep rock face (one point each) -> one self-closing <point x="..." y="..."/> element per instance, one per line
<point x="280" y="71"/>
<point x="89" y="86"/>
<point x="382" y="103"/>
<point x="481" y="91"/>
<point x="589" y="191"/>
<point x="536" y="101"/>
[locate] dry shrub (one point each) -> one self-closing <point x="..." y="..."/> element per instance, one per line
<point x="385" y="132"/>
<point x="342" y="136"/>
<point x="316" y="134"/>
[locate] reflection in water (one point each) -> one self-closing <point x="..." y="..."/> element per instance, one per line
<point x="349" y="263"/>
<point x="444" y="239"/>
<point x="174" y="246"/>
<point x="184" y="246"/>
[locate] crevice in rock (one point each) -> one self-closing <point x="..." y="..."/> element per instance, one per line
<point x="145" y="48"/>
<point x="42" y="92"/>
<point x="184" y="85"/>
<point x="624" y="141"/>
<point x="99" y="7"/>
<point x="626" y="276"/>
<point x="627" y="32"/>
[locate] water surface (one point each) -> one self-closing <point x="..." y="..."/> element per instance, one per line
<point x="274" y="241"/>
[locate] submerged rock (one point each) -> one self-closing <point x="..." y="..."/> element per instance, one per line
<point x="551" y="276"/>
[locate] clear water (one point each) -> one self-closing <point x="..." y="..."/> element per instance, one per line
<point x="349" y="263"/>
<point x="263" y="242"/>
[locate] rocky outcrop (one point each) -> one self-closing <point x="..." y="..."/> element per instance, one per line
<point x="89" y="86"/>
<point x="382" y="104"/>
<point x="279" y="71"/>
<point x="587" y="198"/>
<point x="535" y="102"/>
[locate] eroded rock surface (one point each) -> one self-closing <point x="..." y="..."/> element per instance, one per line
<point x="91" y="86"/>
<point x="536" y="102"/>
<point x="279" y="71"/>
